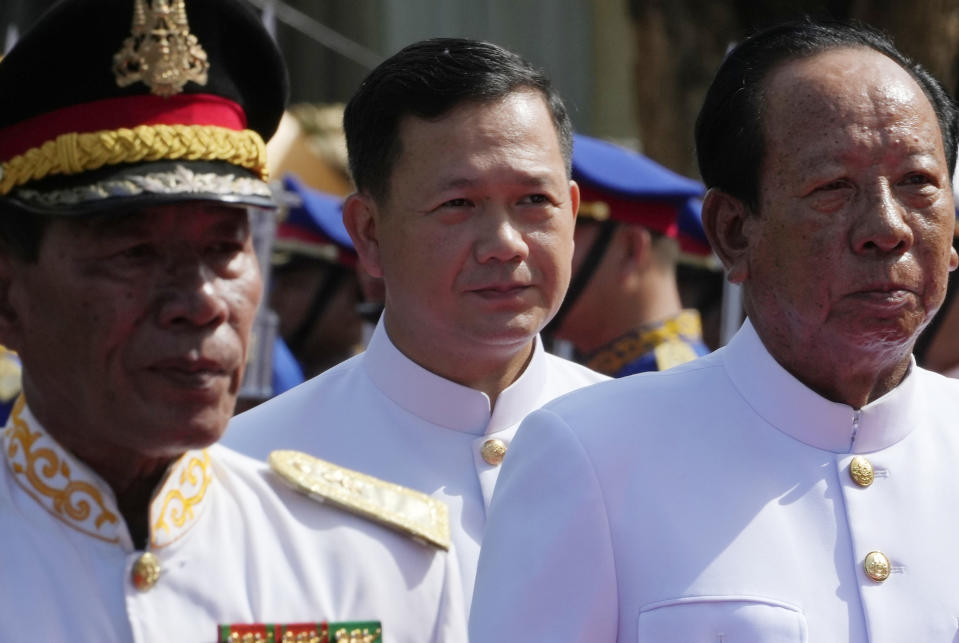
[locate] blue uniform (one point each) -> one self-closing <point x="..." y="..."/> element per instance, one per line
<point x="673" y="341"/>
<point x="10" y="381"/>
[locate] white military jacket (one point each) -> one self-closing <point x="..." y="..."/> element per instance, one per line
<point x="383" y="414"/>
<point x="233" y="546"/>
<point x="716" y="502"/>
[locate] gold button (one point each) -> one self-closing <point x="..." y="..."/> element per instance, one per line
<point x="493" y="452"/>
<point x="146" y="571"/>
<point x="860" y="470"/>
<point x="877" y="566"/>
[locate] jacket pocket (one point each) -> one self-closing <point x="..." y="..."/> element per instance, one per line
<point x="721" y="619"/>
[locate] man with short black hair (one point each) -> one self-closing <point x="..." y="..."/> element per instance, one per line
<point x="460" y="151"/>
<point x="314" y="288"/>
<point x="795" y="485"/>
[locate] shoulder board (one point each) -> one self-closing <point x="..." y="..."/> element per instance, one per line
<point x="10" y="375"/>
<point x="673" y="353"/>
<point x="409" y="512"/>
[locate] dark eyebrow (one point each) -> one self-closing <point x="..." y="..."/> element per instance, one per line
<point x="231" y="222"/>
<point x="456" y="183"/>
<point x="536" y="180"/>
<point x="113" y="224"/>
<point x="529" y="180"/>
<point x="130" y="223"/>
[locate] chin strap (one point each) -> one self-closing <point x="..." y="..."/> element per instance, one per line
<point x="321" y="298"/>
<point x="581" y="279"/>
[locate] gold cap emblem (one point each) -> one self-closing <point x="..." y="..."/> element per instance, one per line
<point x="160" y="50"/>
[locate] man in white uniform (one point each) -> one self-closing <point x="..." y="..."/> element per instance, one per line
<point x="796" y="485"/>
<point x="128" y="286"/>
<point x="464" y="206"/>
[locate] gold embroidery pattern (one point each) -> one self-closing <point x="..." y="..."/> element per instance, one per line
<point x="407" y="511"/>
<point x="634" y="345"/>
<point x="595" y="210"/>
<point x="161" y="51"/>
<point x="42" y="472"/>
<point x="73" y="153"/>
<point x="192" y="476"/>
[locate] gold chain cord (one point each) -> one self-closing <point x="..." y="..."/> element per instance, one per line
<point x="73" y="153"/>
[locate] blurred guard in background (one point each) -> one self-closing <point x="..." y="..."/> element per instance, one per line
<point x="129" y="157"/>
<point x="623" y="312"/>
<point x="314" y="266"/>
<point x="314" y="288"/>
<point x="938" y="347"/>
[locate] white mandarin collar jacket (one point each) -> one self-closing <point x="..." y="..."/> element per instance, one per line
<point x="381" y="413"/>
<point x="445" y="403"/>
<point x="232" y="543"/>
<point x="796" y="410"/>
<point x="715" y="502"/>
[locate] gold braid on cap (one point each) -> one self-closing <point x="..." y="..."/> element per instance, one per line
<point x="74" y="153"/>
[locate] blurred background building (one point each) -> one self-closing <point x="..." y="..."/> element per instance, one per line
<point x="632" y="71"/>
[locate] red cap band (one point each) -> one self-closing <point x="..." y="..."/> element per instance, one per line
<point x="117" y="113"/>
<point x="288" y="232"/>
<point x="659" y="216"/>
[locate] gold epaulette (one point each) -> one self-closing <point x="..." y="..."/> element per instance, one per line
<point x="11" y="376"/>
<point x="409" y="512"/>
<point x="672" y="353"/>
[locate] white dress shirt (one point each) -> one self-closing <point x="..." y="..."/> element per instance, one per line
<point x="714" y="502"/>
<point x="233" y="545"/>
<point x="383" y="414"/>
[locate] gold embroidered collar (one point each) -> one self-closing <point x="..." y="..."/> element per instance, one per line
<point x="77" y="496"/>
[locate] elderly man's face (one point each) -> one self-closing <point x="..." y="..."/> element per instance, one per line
<point x="476" y="236"/>
<point x="850" y="249"/>
<point x="133" y="330"/>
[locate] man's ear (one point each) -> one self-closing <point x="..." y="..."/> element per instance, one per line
<point x="724" y="219"/>
<point x="639" y="246"/>
<point x="10" y="326"/>
<point x="574" y="198"/>
<point x="360" y="218"/>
